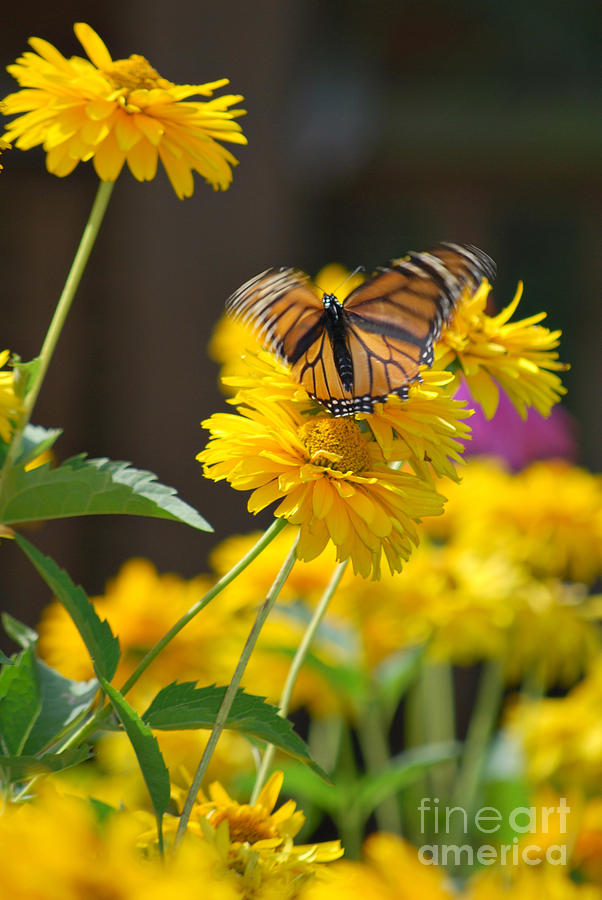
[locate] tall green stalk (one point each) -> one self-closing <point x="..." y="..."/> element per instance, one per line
<point x="293" y="672"/>
<point x="231" y="690"/>
<point x="61" y="312"/>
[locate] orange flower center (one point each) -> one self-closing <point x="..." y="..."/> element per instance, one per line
<point x="247" y="824"/>
<point x="135" y="73"/>
<point x="336" y="444"/>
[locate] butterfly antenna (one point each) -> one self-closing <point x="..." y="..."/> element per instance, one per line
<point x="346" y="278"/>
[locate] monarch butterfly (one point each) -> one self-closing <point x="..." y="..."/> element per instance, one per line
<point x="349" y="356"/>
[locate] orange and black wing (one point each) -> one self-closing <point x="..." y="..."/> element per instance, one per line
<point x="284" y="310"/>
<point x="393" y="319"/>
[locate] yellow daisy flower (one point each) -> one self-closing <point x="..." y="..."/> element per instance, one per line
<point x="116" y="111"/>
<point x="9" y="403"/>
<point x="491" y="351"/>
<point x="327" y="476"/>
<point x="255" y="843"/>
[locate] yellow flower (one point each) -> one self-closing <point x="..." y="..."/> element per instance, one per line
<point x="54" y="848"/>
<point x="9" y="404"/>
<point x="255" y="843"/>
<point x="390" y="870"/>
<point x="562" y="738"/>
<point x="116" y="111"/>
<point x="326" y="474"/>
<point x="549" y="516"/>
<point x="492" y="351"/>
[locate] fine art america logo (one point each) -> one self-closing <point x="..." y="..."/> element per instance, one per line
<point x="448" y="823"/>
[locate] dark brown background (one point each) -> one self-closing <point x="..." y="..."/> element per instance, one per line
<point x="373" y="128"/>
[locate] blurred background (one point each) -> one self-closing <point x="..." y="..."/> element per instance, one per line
<point x="373" y="129"/>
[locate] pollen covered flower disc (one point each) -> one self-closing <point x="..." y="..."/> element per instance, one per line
<point x="117" y="111"/>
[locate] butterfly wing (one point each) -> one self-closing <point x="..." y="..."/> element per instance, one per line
<point x="393" y="319"/>
<point x="283" y="309"/>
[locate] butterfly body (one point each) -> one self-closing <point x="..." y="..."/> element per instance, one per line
<point x="352" y="354"/>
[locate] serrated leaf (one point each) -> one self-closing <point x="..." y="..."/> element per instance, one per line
<point x="35" y="441"/>
<point x="96" y="633"/>
<point x="21" y="766"/>
<point x="88" y="487"/>
<point x="146" y="748"/>
<point x="63" y="701"/>
<point x="20" y="702"/>
<point x="21" y="634"/>
<point x="184" y="706"/>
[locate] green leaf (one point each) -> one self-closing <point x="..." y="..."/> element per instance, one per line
<point x="63" y="701"/>
<point x="20" y="633"/>
<point x="88" y="487"/>
<point x="24" y="374"/>
<point x="6" y="660"/>
<point x="146" y="748"/>
<point x="372" y="789"/>
<point x="96" y="633"/>
<point x="20" y="702"/>
<point x="20" y="767"/>
<point x="35" y="440"/>
<point x="183" y="706"/>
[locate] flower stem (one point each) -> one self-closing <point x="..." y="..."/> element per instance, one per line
<point x="275" y="528"/>
<point x="62" y="309"/>
<point x="294" y="670"/>
<point x="231" y="690"/>
<point x="480" y="729"/>
<point x="372" y="736"/>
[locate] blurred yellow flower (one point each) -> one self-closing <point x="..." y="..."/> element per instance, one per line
<point x="562" y="738"/>
<point x="390" y="870"/>
<point x="9" y="403"/>
<point x="325" y="473"/>
<point x="528" y="883"/>
<point x="491" y="351"/>
<point x="117" y="111"/>
<point x="549" y="516"/>
<point x="54" y="848"/>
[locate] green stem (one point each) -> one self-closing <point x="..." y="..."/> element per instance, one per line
<point x="294" y="670"/>
<point x="62" y="309"/>
<point x="231" y="690"/>
<point x="375" y="750"/>
<point x="438" y="708"/>
<point x="275" y="528"/>
<point x="480" y="729"/>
